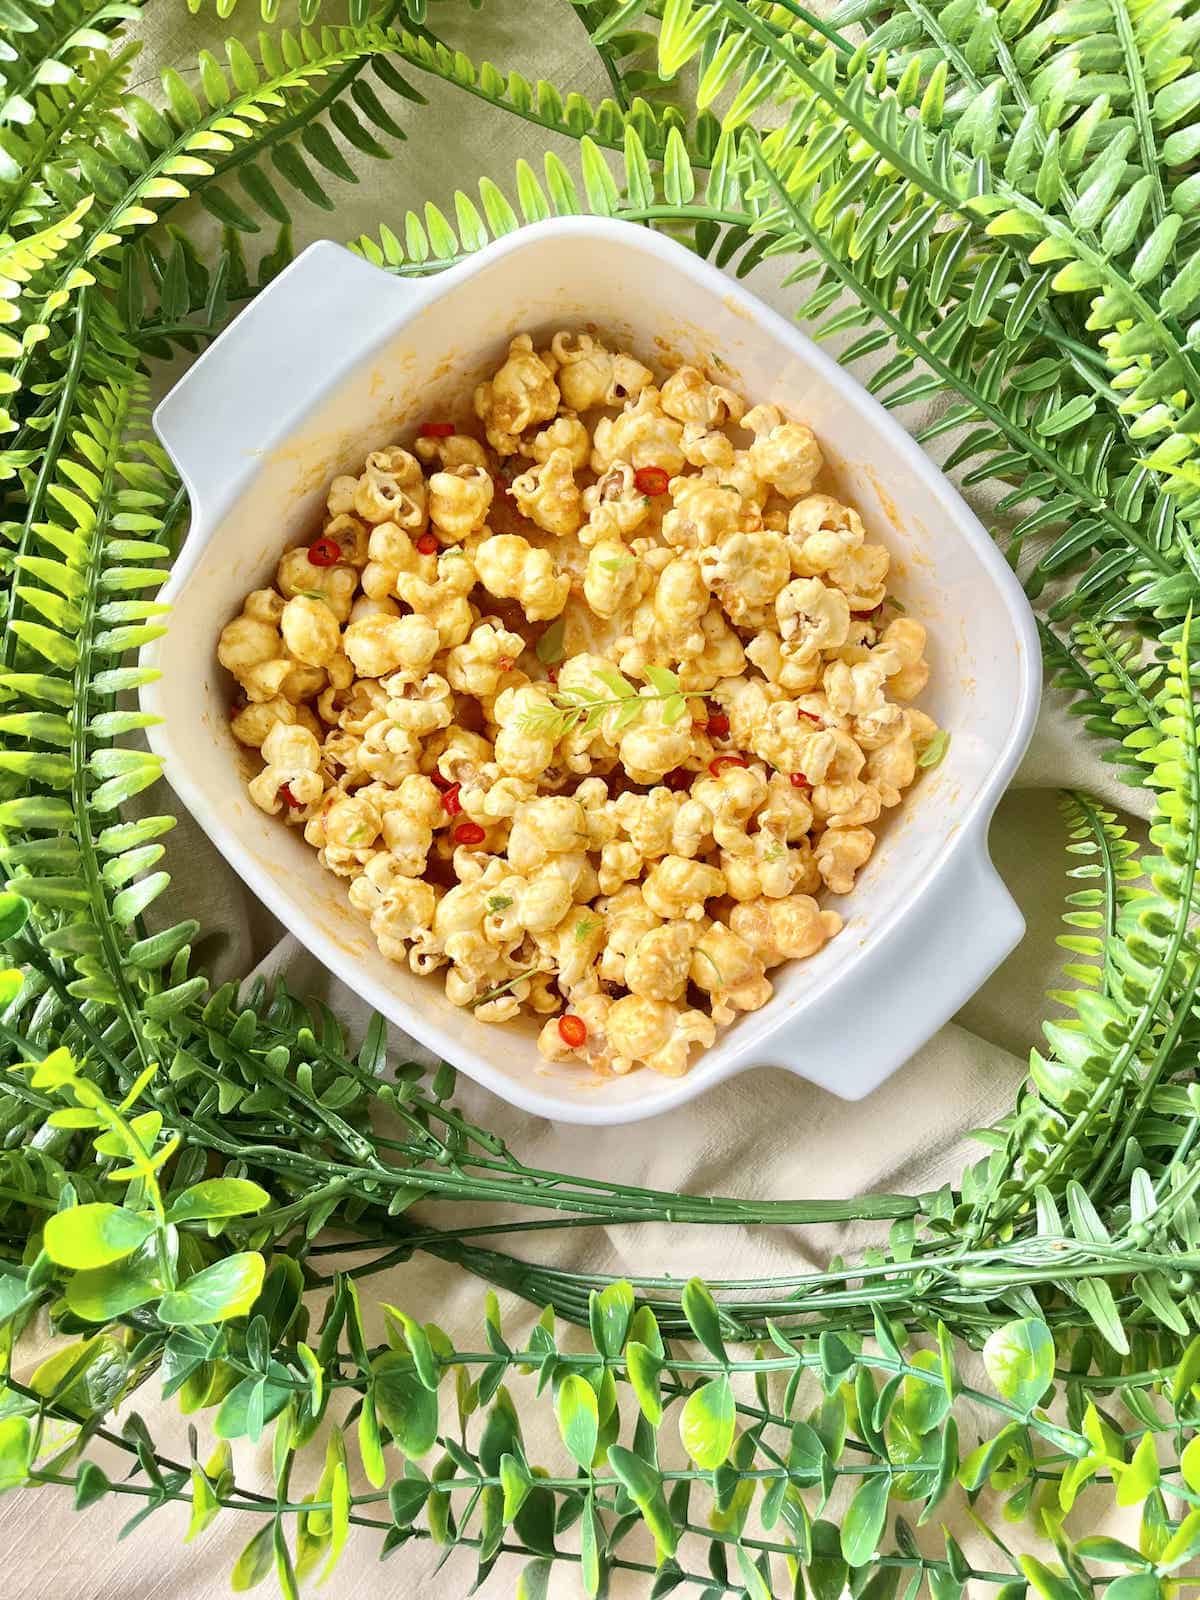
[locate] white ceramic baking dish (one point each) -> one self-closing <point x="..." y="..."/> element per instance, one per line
<point x="337" y="358"/>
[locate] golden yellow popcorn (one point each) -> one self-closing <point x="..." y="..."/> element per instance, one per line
<point x="784" y="930"/>
<point x="688" y="396"/>
<point x="381" y="644"/>
<point x="643" y="435"/>
<point x="614" y="577"/>
<point x="702" y="513"/>
<point x="310" y="631"/>
<point x="392" y="488"/>
<point x="655" y="1033"/>
<point x="730" y="970"/>
<point x="510" y="568"/>
<point x="525" y="746"/>
<point x="862" y="576"/>
<point x="677" y="887"/>
<point x="822" y="532"/>
<point x="812" y="616"/>
<point x="264" y="605"/>
<point x="293" y="759"/>
<point x="548" y="494"/>
<point x="390" y="552"/>
<point x="254" y="721"/>
<point x="567" y="433"/>
<point x="420" y="705"/>
<point x="651" y="746"/>
<point x="351" y="536"/>
<point x="453" y="451"/>
<point x="681" y="601"/>
<point x="479" y="665"/>
<point x="848" y="804"/>
<point x="614" y="505"/>
<point x="721" y="656"/>
<point x="589" y="375"/>
<point x="784" y="454"/>
<point x="840" y="852"/>
<point x="902" y="646"/>
<point x="386" y="752"/>
<point x="521" y="393"/>
<point x="459" y="500"/>
<point x="296" y="574"/>
<point x="436" y="703"/>
<point x="657" y="966"/>
<point x="747" y="571"/>
<point x="253" y="652"/>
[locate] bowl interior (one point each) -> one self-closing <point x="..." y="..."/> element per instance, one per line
<point x="944" y="572"/>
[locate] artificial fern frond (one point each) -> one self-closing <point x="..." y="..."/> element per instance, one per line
<point x="141" y="168"/>
<point x="1115" y="690"/>
<point x="1106" y="861"/>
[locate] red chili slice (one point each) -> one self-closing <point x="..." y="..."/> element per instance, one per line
<point x="325" y="552"/>
<point x="809" y="716"/>
<point x="469" y="833"/>
<point x="715" y="765"/>
<point x="799" y="781"/>
<point x="451" y="804"/>
<point x="435" y="430"/>
<point x="572" y="1030"/>
<point x="651" y="480"/>
<point x="427" y="544"/>
<point x="680" y="778"/>
<point x="288" y="798"/>
<point x="441" y="783"/>
<point x="718" y="726"/>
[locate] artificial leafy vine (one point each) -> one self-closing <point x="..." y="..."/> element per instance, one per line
<point x="1001" y="204"/>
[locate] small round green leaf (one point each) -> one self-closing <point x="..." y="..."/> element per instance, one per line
<point x="95" y="1235"/>
<point x="863" y="1524"/>
<point x="1019" y="1358"/>
<point x="218" y="1197"/>
<point x="578" y="1417"/>
<point x="407" y="1409"/>
<point x="226" y="1289"/>
<point x="706" y="1423"/>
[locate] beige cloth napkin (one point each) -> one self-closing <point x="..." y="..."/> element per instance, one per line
<point x="765" y="1134"/>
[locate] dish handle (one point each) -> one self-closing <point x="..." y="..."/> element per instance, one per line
<point x="904" y="988"/>
<point x="310" y="326"/>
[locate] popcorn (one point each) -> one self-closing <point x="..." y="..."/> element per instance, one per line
<point x="510" y="568"/>
<point x="589" y="375"/>
<point x="567" y="433"/>
<point x="459" y="499"/>
<point x="614" y="504"/>
<point x="522" y="392"/>
<point x="393" y="489"/>
<point x="549" y="495"/>
<point x="677" y="887"/>
<point x="594" y="848"/>
<point x="655" y="1033"/>
<point x="310" y="631"/>
<point x="381" y="644"/>
<point x="643" y="435"/>
<point x="840" y="852"/>
<point x="296" y="574"/>
<point x="747" y="571"/>
<point x="292" y="757"/>
<point x="784" y="454"/>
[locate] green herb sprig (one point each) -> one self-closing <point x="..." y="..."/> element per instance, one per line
<point x="569" y="709"/>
